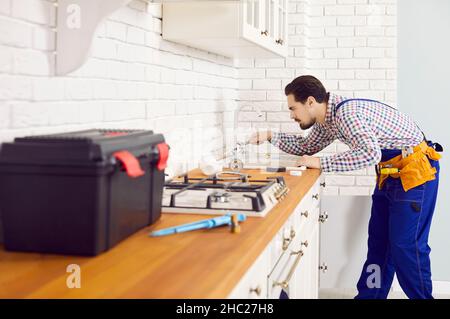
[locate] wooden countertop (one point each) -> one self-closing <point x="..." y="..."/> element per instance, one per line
<point x="197" y="264"/>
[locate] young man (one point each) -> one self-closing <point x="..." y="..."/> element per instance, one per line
<point x="407" y="178"/>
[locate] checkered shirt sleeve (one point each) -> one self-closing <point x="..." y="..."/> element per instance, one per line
<point x="315" y="141"/>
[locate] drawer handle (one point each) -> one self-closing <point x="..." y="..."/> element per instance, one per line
<point x="256" y="290"/>
<point x="287" y="241"/>
<point x="279" y="41"/>
<point x="323" y="217"/>
<point x="305" y="213"/>
<point x="323" y="267"/>
<point x="265" y="32"/>
<point x="323" y="184"/>
<point x="292" y="234"/>
<point x="315" y="196"/>
<point x="304" y="243"/>
<point x="285" y="283"/>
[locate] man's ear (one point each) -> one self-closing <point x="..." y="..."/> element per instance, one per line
<point x="310" y="101"/>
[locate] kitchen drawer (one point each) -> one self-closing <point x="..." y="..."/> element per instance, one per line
<point x="304" y="237"/>
<point x="283" y="275"/>
<point x="253" y="284"/>
<point x="305" y="283"/>
<point x="309" y="224"/>
<point x="289" y="268"/>
<point x="282" y="240"/>
<point x="287" y="261"/>
<point x="304" y="218"/>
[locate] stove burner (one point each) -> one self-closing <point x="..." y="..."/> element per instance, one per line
<point x="221" y="197"/>
<point x="221" y="193"/>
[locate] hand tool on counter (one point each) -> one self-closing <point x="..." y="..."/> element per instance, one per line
<point x="227" y="219"/>
<point x="276" y="169"/>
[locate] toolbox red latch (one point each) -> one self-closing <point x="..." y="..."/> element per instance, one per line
<point x="163" y="149"/>
<point x="130" y="163"/>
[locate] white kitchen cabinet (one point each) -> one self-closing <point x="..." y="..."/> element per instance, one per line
<point x="253" y="284"/>
<point x="239" y="29"/>
<point x="290" y="262"/>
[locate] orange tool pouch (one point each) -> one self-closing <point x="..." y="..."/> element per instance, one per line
<point x="413" y="170"/>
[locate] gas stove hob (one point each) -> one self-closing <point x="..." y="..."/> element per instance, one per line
<point x="222" y="193"/>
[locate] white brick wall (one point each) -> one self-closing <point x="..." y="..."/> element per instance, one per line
<point x="348" y="44"/>
<point x="134" y="79"/>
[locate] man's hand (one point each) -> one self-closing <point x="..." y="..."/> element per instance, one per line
<point x="260" y="137"/>
<point x="309" y="161"/>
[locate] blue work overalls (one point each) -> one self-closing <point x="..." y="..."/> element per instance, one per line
<point x="398" y="236"/>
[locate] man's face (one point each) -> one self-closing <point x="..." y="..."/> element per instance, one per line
<point x="302" y="112"/>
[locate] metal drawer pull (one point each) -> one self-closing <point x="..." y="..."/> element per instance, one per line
<point x="323" y="217"/>
<point x="256" y="290"/>
<point x="316" y="196"/>
<point x="304" y="243"/>
<point x="305" y="213"/>
<point x="265" y="32"/>
<point x="285" y="283"/>
<point x="279" y="41"/>
<point x="323" y="184"/>
<point x="287" y="241"/>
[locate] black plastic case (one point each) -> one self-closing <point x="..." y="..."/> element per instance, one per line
<point x="81" y="192"/>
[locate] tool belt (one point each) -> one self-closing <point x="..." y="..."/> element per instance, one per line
<point x="413" y="170"/>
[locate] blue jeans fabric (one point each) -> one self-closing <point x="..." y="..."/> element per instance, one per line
<point x="398" y="238"/>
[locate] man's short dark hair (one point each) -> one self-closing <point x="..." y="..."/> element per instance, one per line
<point x="305" y="86"/>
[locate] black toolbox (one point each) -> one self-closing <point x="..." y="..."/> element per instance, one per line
<point x="80" y="193"/>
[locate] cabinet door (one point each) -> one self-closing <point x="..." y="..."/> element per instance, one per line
<point x="252" y="15"/>
<point x="314" y="278"/>
<point x="306" y="280"/>
<point x="253" y="284"/>
<point x="264" y="22"/>
<point x="271" y="19"/>
<point x="310" y="284"/>
<point x="281" y="36"/>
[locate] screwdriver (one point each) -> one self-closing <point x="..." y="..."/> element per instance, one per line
<point x="207" y="223"/>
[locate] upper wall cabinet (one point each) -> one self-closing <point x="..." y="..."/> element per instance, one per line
<point x="239" y="29"/>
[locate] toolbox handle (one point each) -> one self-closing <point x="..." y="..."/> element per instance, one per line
<point x="130" y="163"/>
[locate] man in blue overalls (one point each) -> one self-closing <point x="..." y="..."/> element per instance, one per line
<point x="407" y="173"/>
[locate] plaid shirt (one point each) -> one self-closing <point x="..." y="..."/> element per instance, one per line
<point x="366" y="126"/>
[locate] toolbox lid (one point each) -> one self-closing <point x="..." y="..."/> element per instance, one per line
<point x="80" y="147"/>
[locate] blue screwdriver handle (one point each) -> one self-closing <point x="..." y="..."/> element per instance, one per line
<point x="190" y="226"/>
<point x="208" y="223"/>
